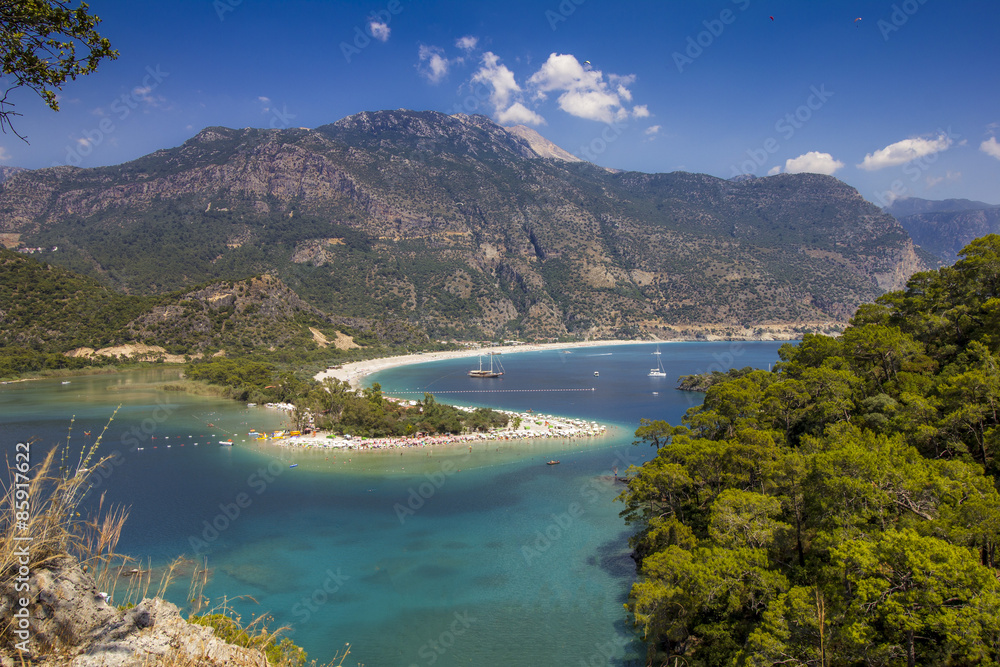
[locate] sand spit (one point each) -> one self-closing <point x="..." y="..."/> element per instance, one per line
<point x="522" y="426"/>
<point x="530" y="426"/>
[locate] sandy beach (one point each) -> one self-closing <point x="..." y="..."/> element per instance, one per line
<point x="531" y="426"/>
<point x="355" y="372"/>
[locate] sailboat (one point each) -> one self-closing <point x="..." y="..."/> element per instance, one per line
<point x="657" y="372"/>
<point x="486" y="372"/>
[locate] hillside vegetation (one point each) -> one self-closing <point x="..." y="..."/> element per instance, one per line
<point x="53" y="319"/>
<point x="461" y="228"/>
<point x="843" y="509"/>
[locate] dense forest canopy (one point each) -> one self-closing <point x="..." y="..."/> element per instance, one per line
<point x="842" y="509"/>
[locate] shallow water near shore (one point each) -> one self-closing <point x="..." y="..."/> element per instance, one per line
<point x="418" y="557"/>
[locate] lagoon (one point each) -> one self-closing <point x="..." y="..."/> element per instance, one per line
<point x="439" y="556"/>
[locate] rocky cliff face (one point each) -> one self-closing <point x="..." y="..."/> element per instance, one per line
<point x="542" y="146"/>
<point x="945" y="233"/>
<point x="465" y="228"/>
<point x="250" y="166"/>
<point x="942" y="228"/>
<point x="71" y="623"/>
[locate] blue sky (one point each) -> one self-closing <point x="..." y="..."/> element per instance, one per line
<point x="905" y="102"/>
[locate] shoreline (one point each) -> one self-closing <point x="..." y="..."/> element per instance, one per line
<point x="353" y="373"/>
<point x="111" y="369"/>
<point x="532" y="426"/>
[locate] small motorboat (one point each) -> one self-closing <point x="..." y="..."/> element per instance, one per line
<point x="597" y="374"/>
<point x="294" y="465"/>
<point x="226" y="443"/>
<point x="552" y="463"/>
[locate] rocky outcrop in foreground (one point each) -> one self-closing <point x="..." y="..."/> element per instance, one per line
<point x="70" y="623"/>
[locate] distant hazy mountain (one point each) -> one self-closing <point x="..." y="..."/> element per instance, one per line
<point x="463" y="227"/>
<point x="915" y="205"/>
<point x="942" y="228"/>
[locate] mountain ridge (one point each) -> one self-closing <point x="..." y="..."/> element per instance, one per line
<point x="461" y="227"/>
<point x="944" y="227"/>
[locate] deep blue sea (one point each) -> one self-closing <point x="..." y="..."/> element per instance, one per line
<point x="426" y="557"/>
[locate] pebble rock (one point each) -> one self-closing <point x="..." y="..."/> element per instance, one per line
<point x="72" y="625"/>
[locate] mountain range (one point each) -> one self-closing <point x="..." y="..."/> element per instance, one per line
<point x="944" y="227"/>
<point x="465" y="228"/>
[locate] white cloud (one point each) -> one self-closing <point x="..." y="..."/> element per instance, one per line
<point x="379" y="30"/>
<point x="144" y="94"/>
<point x="564" y="72"/>
<point x="518" y="114"/>
<point x="903" y="151"/>
<point x="624" y="79"/>
<point x="812" y="162"/>
<point x="592" y="105"/>
<point x="467" y="43"/>
<point x="991" y="147"/>
<point x="653" y="129"/>
<point x="433" y="64"/>
<point x="948" y="177"/>
<point x="582" y="91"/>
<point x="585" y="92"/>
<point x="500" y="79"/>
<point x="4" y="155"/>
<point x="774" y="171"/>
<point x="890" y="196"/>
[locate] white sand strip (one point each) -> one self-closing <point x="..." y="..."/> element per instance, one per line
<point x="354" y="373"/>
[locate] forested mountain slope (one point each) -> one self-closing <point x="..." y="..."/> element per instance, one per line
<point x="47" y="313"/>
<point x="461" y="227"/>
<point x="843" y="509"/>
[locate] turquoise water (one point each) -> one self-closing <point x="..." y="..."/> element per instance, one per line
<point x="443" y="556"/>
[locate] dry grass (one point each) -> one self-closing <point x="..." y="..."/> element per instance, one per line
<point x="247" y="660"/>
<point x="47" y="517"/>
<point x="228" y="625"/>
